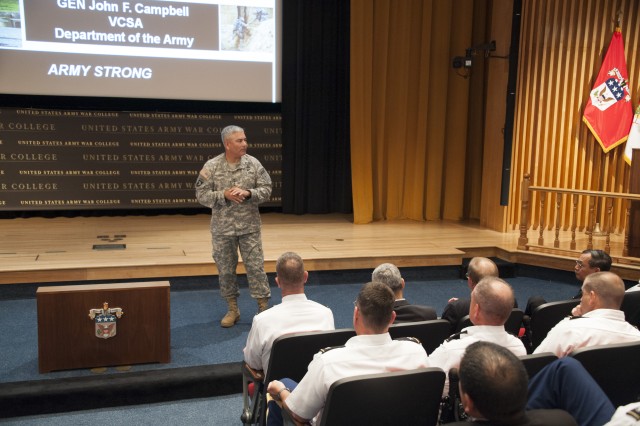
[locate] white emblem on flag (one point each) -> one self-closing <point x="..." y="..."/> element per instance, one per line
<point x="610" y="91"/>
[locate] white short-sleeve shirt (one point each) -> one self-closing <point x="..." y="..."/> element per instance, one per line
<point x="362" y="354"/>
<point x="295" y="314"/>
<point x="626" y="415"/>
<point x="597" y="327"/>
<point x="449" y="354"/>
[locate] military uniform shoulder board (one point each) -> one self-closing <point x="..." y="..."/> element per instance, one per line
<point x="456" y="336"/>
<point x="327" y="349"/>
<point x="410" y="339"/>
<point x="635" y="414"/>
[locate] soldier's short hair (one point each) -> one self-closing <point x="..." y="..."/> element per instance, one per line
<point x="229" y="130"/>
<point x="489" y="373"/>
<point x="599" y="259"/>
<point x="375" y="303"/>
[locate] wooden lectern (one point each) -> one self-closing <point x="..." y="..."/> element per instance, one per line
<point x="634" y="214"/>
<point x="68" y="338"/>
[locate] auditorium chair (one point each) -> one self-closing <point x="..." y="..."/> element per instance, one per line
<point x="544" y="318"/>
<point x="451" y="409"/>
<point x="536" y="362"/>
<point x="512" y="325"/>
<point x="430" y="333"/>
<point x="631" y="307"/>
<point x="615" y="368"/>
<point x="410" y="397"/>
<point x="290" y="357"/>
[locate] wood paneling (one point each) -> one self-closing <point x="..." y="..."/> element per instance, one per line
<point x="561" y="50"/>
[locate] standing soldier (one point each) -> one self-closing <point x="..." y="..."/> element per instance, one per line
<point x="233" y="184"/>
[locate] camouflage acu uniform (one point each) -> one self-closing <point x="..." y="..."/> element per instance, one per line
<point x="236" y="226"/>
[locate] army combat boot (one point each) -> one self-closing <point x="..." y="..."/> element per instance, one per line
<point x="233" y="314"/>
<point x="263" y="304"/>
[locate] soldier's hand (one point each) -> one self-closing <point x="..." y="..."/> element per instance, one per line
<point x="577" y="311"/>
<point x="235" y="194"/>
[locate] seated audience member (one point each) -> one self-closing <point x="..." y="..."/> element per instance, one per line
<point x="295" y="314"/>
<point x="493" y="390"/>
<point x="602" y="322"/>
<point x="589" y="262"/>
<point x="633" y="288"/>
<point x="491" y="304"/>
<point x="371" y="351"/>
<point x="479" y="267"/>
<point x="567" y="385"/>
<point x="389" y="274"/>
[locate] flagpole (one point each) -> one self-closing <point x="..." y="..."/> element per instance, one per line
<point x="595" y="226"/>
<point x="619" y="20"/>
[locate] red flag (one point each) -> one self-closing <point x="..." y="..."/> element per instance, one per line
<point x="608" y="112"/>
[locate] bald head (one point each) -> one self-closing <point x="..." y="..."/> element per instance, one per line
<point x="481" y="267"/>
<point x="602" y="290"/>
<point x="491" y="302"/>
<point x="290" y="273"/>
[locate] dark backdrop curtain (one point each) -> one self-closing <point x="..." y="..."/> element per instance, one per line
<point x="315" y="107"/>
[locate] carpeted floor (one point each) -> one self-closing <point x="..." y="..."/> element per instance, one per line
<point x="203" y="355"/>
<point x="216" y="411"/>
<point x="197" y="339"/>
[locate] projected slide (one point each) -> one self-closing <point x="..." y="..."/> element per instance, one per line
<point x="198" y="49"/>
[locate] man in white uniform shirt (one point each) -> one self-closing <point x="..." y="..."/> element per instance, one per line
<point x="627" y="415"/>
<point x="602" y="322"/>
<point x="491" y="305"/>
<point x="295" y="314"/>
<point x="633" y="288"/>
<point x="371" y="351"/>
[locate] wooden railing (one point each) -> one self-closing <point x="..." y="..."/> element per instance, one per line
<point x="560" y="222"/>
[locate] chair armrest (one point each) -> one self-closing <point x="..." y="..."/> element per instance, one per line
<point x="288" y="420"/>
<point x="454" y="378"/>
<point x="255" y="375"/>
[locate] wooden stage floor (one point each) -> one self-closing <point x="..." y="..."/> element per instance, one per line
<point x="39" y="250"/>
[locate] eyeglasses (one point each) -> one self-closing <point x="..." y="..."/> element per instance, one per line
<point x="466" y="275"/>
<point x="579" y="264"/>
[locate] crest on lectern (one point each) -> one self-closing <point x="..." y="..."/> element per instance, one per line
<point x="105" y="320"/>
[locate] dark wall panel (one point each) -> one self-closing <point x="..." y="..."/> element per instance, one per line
<point x="80" y="160"/>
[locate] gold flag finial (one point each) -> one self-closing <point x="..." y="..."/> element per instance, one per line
<point x="619" y="20"/>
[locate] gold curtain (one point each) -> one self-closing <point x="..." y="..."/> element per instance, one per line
<point x="410" y="109"/>
<point x="426" y="143"/>
<point x="562" y="45"/>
